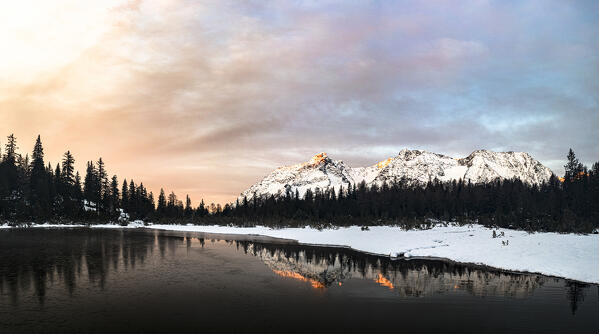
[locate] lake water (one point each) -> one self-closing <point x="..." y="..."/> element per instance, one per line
<point x="145" y="281"/>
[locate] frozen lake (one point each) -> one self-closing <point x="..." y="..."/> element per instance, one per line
<point x="140" y="280"/>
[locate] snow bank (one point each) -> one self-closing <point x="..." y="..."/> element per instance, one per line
<point x="133" y="224"/>
<point x="570" y="256"/>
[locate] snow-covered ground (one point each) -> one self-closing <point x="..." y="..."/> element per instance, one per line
<point x="571" y="256"/>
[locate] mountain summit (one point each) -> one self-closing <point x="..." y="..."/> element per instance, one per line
<point x="415" y="167"/>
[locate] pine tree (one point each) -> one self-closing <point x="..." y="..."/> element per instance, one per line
<point x="90" y="186"/>
<point x="202" y="208"/>
<point x="151" y="204"/>
<point x="125" y="196"/>
<point x="161" y="203"/>
<point x="59" y="187"/>
<point x="171" y="205"/>
<point x="11" y="189"/>
<point x="77" y="193"/>
<point x="573" y="167"/>
<point x="21" y="182"/>
<point x="51" y="184"/>
<point x="11" y="149"/>
<point x="39" y="182"/>
<point x="102" y="187"/>
<point x="132" y="199"/>
<point x="68" y="168"/>
<point x="114" y="194"/>
<point x="188" y="209"/>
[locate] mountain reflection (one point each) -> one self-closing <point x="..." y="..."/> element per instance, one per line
<point x="34" y="260"/>
<point x="414" y="278"/>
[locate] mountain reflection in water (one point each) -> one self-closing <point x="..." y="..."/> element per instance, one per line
<point x="408" y="278"/>
<point x="33" y="260"/>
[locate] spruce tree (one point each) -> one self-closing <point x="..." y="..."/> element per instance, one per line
<point x="78" y="193"/>
<point x="151" y="204"/>
<point x="125" y="196"/>
<point x="10" y="186"/>
<point x="90" y="186"/>
<point x="68" y="168"/>
<point x="573" y="167"/>
<point x="11" y="149"/>
<point x="161" y="209"/>
<point x="132" y="198"/>
<point x="188" y="209"/>
<point x="102" y="187"/>
<point x="39" y="182"/>
<point x="59" y="187"/>
<point x="202" y="208"/>
<point x="114" y="194"/>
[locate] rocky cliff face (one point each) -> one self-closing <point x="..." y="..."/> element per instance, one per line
<point x="415" y="167"/>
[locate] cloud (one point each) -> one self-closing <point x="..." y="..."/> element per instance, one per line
<point x="450" y="49"/>
<point x="206" y="97"/>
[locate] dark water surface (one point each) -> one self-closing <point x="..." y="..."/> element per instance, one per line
<point x="146" y="281"/>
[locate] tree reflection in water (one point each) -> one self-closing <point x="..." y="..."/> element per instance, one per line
<point x="33" y="259"/>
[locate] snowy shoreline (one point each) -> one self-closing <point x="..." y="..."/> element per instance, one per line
<point x="569" y="256"/>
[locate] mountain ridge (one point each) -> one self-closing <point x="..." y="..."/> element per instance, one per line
<point x="415" y="167"/>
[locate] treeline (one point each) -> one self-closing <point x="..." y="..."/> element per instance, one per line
<point x="31" y="191"/>
<point x="563" y="204"/>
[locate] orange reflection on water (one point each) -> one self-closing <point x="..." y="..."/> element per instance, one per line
<point x="290" y="274"/>
<point x="380" y="279"/>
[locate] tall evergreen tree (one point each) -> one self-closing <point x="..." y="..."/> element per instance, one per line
<point x="102" y="185"/>
<point x="132" y="199"/>
<point x="202" y="208"/>
<point x="68" y="168"/>
<point x="573" y="167"/>
<point x="188" y="209"/>
<point x="11" y="149"/>
<point x="114" y="202"/>
<point x="10" y="187"/>
<point x="58" y="184"/>
<point x="125" y="196"/>
<point x="151" y="204"/>
<point x="39" y="182"/>
<point x="78" y="193"/>
<point x="161" y="209"/>
<point x="91" y="187"/>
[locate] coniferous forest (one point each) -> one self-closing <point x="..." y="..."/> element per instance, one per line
<point x="33" y="191"/>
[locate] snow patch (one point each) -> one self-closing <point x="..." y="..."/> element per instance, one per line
<point x="571" y="256"/>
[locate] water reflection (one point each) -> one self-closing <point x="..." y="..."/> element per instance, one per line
<point x="34" y="260"/>
<point x="413" y="278"/>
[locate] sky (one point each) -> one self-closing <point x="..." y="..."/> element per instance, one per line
<point x="206" y="97"/>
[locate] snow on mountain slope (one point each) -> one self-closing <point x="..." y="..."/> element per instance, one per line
<point x="416" y="167"/>
<point x="320" y="172"/>
<point x="485" y="166"/>
<point x="419" y="167"/>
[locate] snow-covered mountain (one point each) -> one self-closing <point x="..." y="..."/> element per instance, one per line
<point x="416" y="167"/>
<point x="320" y="172"/>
